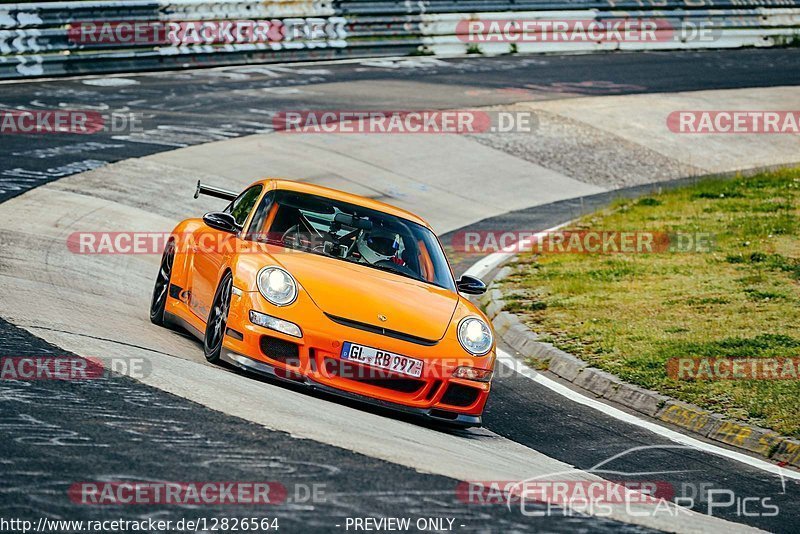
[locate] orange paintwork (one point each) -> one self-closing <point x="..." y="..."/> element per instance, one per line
<point x="342" y="289"/>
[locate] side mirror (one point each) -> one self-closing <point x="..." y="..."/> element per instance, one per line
<point x="220" y="220"/>
<point x="471" y="285"/>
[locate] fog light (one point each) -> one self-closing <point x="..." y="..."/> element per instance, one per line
<point x="471" y="373"/>
<point x="273" y="323"/>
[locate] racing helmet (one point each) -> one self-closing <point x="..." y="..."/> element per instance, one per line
<point x="379" y="244"/>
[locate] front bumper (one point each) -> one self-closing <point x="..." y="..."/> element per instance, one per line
<point x="248" y="364"/>
<point x="316" y="362"/>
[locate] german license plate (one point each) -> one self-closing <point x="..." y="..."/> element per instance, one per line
<point x="382" y="359"/>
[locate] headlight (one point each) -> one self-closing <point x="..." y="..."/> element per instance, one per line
<point x="475" y="336"/>
<point x="277" y="286"/>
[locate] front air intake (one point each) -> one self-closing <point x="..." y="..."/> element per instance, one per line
<point x="458" y="395"/>
<point x="280" y="350"/>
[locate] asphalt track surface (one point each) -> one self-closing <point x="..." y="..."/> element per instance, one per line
<point x="192" y="107"/>
<point x="67" y="432"/>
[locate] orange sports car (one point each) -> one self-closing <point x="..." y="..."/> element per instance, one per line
<point x="332" y="290"/>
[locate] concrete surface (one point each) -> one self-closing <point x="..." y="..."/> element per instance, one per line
<point x="642" y="138"/>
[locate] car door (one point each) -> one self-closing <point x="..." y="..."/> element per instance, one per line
<point x="213" y="248"/>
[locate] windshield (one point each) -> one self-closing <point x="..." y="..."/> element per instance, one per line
<point x="351" y="233"/>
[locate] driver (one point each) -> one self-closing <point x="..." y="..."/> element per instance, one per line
<point x="380" y="244"/>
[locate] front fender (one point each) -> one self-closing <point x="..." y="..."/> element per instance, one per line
<point x="248" y="261"/>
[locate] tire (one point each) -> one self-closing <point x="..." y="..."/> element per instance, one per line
<point x="218" y="319"/>
<point x="158" y="303"/>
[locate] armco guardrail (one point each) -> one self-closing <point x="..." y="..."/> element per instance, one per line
<point x="61" y="38"/>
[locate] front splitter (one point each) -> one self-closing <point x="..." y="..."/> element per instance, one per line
<point x="248" y="364"/>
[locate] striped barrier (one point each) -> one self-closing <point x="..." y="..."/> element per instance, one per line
<point x="63" y="38"/>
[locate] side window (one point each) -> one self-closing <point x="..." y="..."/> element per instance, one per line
<point x="241" y="207"/>
<point x="256" y="230"/>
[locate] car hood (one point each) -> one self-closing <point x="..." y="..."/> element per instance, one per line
<point x="360" y="293"/>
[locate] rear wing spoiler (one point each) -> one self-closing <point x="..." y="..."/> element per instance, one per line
<point x="214" y="192"/>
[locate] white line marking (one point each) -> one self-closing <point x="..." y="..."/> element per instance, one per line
<point x="509" y="361"/>
<point x="492" y="261"/>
